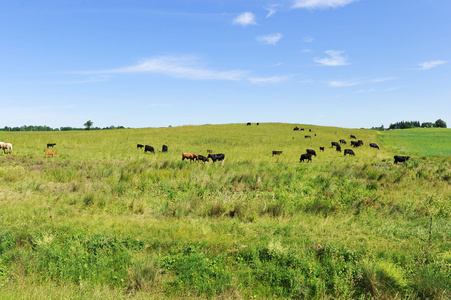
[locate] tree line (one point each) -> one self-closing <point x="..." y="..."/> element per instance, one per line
<point x="88" y="126"/>
<point x="414" y="124"/>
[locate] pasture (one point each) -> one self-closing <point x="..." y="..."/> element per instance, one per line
<point x="104" y="220"/>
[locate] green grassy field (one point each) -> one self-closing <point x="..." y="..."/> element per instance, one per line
<point x="419" y="141"/>
<point x="104" y="220"/>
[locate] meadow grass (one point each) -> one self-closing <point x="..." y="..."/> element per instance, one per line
<point x="103" y="219"/>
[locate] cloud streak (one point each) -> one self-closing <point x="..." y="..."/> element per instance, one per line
<point x="320" y="4"/>
<point x="270" y="39"/>
<point x="431" y="64"/>
<point x="335" y="59"/>
<point x="185" y="67"/>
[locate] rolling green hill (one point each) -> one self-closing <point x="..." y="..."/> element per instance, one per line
<point x="102" y="219"/>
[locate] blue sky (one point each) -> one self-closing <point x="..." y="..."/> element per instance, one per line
<point x="141" y="63"/>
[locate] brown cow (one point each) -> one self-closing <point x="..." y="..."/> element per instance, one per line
<point x="190" y="156"/>
<point x="47" y="153"/>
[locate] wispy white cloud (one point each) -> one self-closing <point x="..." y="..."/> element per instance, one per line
<point x="270" y="39"/>
<point x="313" y="4"/>
<point x="377" y="80"/>
<point x="273" y="79"/>
<point x="272" y="9"/>
<point x="186" y="67"/>
<point x="431" y="64"/>
<point x="335" y="59"/>
<point x="308" y="39"/>
<point x="358" y="81"/>
<point x="245" y="19"/>
<point x="338" y="83"/>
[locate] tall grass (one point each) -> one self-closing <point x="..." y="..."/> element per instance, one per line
<point x="102" y="219"/>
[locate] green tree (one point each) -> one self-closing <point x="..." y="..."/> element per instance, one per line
<point x="440" y="123"/>
<point x="88" y="124"/>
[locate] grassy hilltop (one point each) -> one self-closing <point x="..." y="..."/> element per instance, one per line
<point x="102" y="219"/>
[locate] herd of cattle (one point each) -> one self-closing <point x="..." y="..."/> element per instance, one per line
<point x="8" y="148"/>
<point x="304" y="157"/>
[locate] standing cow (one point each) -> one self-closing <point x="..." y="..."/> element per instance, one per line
<point x="311" y="151"/>
<point x="148" y="148"/>
<point x="400" y="158"/>
<point x="305" y="156"/>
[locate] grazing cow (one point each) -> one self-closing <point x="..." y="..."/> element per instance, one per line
<point x="311" y="151"/>
<point x="190" y="156"/>
<point x="47" y="153"/>
<point x="148" y="148"/>
<point x="349" y="151"/>
<point x="334" y="144"/>
<point x="302" y="129"/>
<point x="296" y="128"/>
<point x="373" y="145"/>
<point x="258" y="124"/>
<point x="361" y="142"/>
<point x="352" y="136"/>
<point x="355" y="144"/>
<point x="6" y="147"/>
<point x="310" y="130"/>
<point x="308" y="137"/>
<point x="215" y="157"/>
<point x="164" y="149"/>
<point x="209" y="151"/>
<point x="399" y="158"/>
<point x="321" y="149"/>
<point x="276" y="153"/>
<point x="306" y="156"/>
<point x="51" y="145"/>
<point x="139" y="146"/>
<point x="202" y="158"/>
<point x="248" y="124"/>
<point x="338" y="148"/>
<point x="342" y="141"/>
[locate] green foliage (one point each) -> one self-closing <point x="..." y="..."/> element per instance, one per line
<point x="104" y="215"/>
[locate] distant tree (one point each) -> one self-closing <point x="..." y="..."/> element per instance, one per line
<point x="427" y="124"/>
<point x="88" y="124"/>
<point x="440" y="123"/>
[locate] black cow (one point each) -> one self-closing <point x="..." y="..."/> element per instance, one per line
<point x="139" y="146"/>
<point x="342" y="141"/>
<point x="349" y="151"/>
<point x="311" y="151"/>
<point x="258" y="124"/>
<point x="308" y="137"/>
<point x="276" y="153"/>
<point x="399" y="158"/>
<point x="321" y="149"/>
<point x="164" y="149"/>
<point x="148" y="148"/>
<point x="215" y="157"/>
<point x="335" y="144"/>
<point x="51" y="145"/>
<point x="355" y="144"/>
<point x="248" y="124"/>
<point x="306" y="156"/>
<point x="202" y="158"/>
<point x="296" y="128"/>
<point x="338" y="148"/>
<point x="302" y="129"/>
<point x="373" y="145"/>
<point x="352" y="136"/>
<point x="360" y="141"/>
